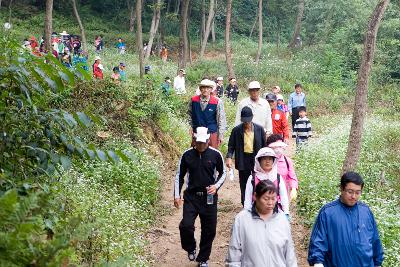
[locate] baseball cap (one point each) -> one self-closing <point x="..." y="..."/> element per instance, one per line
<point x="246" y="114"/>
<point x="202" y="134"/>
<point x="254" y="85"/>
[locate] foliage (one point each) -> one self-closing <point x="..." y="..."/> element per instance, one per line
<point x="319" y="165"/>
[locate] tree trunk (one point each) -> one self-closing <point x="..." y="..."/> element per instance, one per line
<point x="203" y="22"/>
<point x="254" y="26"/>
<point x="360" y="105"/>
<point x="183" y="38"/>
<point x="228" y="52"/>
<point x="297" y="27"/>
<point x="139" y="39"/>
<point x="178" y="3"/>
<point x="210" y="19"/>
<point x="153" y="28"/>
<point x="48" y="25"/>
<point x="132" y="16"/>
<point x="78" y="18"/>
<point x="260" y="31"/>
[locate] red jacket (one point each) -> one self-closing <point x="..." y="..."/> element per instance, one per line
<point x="97" y="72"/>
<point x="279" y="123"/>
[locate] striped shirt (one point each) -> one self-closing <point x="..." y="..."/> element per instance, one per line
<point x="302" y="129"/>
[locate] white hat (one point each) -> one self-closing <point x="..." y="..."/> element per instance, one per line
<point x="254" y="85"/>
<point x="201" y="134"/>
<point x="64" y="33"/>
<point x="278" y="143"/>
<point x="279" y="97"/>
<point x="207" y="83"/>
<point x="220" y="78"/>
<point x="277" y="87"/>
<point x="97" y="58"/>
<point x="183" y="71"/>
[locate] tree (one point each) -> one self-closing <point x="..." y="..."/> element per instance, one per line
<point x="210" y="19"/>
<point x="78" y="18"/>
<point x="48" y="25"/>
<point x="183" y="36"/>
<point x="297" y="27"/>
<point x="228" y="50"/>
<point x="132" y="15"/>
<point x="139" y="38"/>
<point x="154" y="26"/>
<point x="360" y="105"/>
<point x="260" y="31"/>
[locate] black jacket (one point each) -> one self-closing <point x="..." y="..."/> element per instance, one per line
<point x="236" y="144"/>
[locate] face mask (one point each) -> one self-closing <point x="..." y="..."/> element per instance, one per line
<point x="279" y="151"/>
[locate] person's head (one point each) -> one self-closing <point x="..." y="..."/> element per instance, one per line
<point x="220" y="80"/>
<point x="279" y="99"/>
<point x="116" y="70"/>
<point x="120" y="40"/>
<point x="246" y="116"/>
<point x="254" y="90"/>
<point x="205" y="87"/>
<point x="271" y="98"/>
<point x="167" y="80"/>
<point x="276" y="89"/>
<point x="265" y="196"/>
<point x="232" y="81"/>
<point x="122" y="66"/>
<point x="264" y="160"/>
<point x="298" y="88"/>
<point x="302" y="112"/>
<point x="275" y="141"/>
<point x="181" y="72"/>
<point x="351" y="186"/>
<point x="202" y="136"/>
<point x="147" y="69"/>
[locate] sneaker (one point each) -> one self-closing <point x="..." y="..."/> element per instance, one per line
<point x="203" y="264"/>
<point x="192" y="255"/>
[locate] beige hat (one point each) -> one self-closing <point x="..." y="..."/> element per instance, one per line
<point x="64" y="33"/>
<point x="254" y="85"/>
<point x="97" y="58"/>
<point x="277" y="87"/>
<point x="201" y="134"/>
<point x="279" y="97"/>
<point x="206" y="83"/>
<point x="220" y="78"/>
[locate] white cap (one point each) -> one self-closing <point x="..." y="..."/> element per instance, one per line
<point x="207" y="83"/>
<point x="220" y="78"/>
<point x="254" y="85"/>
<point x="201" y="134"/>
<point x="97" y="58"/>
<point x="279" y="97"/>
<point x="64" y="33"/>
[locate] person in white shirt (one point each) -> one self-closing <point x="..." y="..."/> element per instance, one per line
<point x="179" y="83"/>
<point x="259" y="106"/>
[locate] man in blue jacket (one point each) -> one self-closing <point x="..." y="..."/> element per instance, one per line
<point x="345" y="232"/>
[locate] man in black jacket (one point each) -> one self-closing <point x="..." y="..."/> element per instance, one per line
<point x="245" y="141"/>
<point x="202" y="163"/>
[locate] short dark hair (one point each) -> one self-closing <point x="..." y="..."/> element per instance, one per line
<point x="303" y="108"/>
<point x="298" y="85"/>
<point x="265" y="186"/>
<point x="351" y="177"/>
<point x="274" y="138"/>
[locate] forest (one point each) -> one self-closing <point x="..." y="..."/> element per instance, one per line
<point x="87" y="165"/>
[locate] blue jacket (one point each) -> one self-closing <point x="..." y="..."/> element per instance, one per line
<point x="207" y="117"/>
<point x="345" y="236"/>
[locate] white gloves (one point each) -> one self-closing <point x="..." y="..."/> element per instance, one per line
<point x="318" y="265"/>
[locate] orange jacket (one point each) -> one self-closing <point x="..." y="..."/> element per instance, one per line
<point x="279" y="123"/>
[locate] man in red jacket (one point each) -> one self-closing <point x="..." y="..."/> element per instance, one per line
<point x="279" y="122"/>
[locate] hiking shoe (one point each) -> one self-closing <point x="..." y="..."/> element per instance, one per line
<point x="203" y="264"/>
<point x="192" y="255"/>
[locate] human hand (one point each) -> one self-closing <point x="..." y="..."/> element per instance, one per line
<point x="211" y="190"/>
<point x="293" y="194"/>
<point x="177" y="202"/>
<point x="190" y="131"/>
<point x="228" y="163"/>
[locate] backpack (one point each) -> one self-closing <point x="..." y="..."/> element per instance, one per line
<point x="255" y="181"/>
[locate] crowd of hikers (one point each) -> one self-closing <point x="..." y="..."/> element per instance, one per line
<point x="345" y="232"/>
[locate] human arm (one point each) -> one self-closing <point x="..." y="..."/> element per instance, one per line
<point x="234" y="257"/>
<point x="284" y="196"/>
<point x="318" y="246"/>
<point x="221" y="120"/>
<point x="248" y="195"/>
<point x="309" y="128"/>
<point x="285" y="128"/>
<point x="231" y="148"/>
<point x="220" y="167"/>
<point x="238" y="111"/>
<point x="189" y="113"/>
<point x="290" y="100"/>
<point x="179" y="180"/>
<point x="376" y="244"/>
<point x="268" y="121"/>
<point x="290" y="251"/>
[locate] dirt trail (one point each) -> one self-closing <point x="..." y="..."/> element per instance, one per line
<point x="165" y="248"/>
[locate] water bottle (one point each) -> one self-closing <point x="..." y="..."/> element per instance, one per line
<point x="231" y="174"/>
<point x="210" y="199"/>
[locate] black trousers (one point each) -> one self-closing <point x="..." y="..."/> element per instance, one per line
<point x="295" y="116"/>
<point x="196" y="205"/>
<point x="248" y="159"/>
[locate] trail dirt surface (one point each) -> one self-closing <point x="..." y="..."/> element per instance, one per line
<point x="164" y="240"/>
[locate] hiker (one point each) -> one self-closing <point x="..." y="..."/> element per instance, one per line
<point x="245" y="141"/>
<point x="279" y="122"/>
<point x="164" y="54"/>
<point x="66" y="58"/>
<point x="297" y="99"/>
<point x="232" y="90"/>
<point x="276" y="90"/>
<point x="202" y="163"/>
<point x="33" y="42"/>
<point x="147" y="69"/>
<point x="76" y="44"/>
<point x="261" y="236"/>
<point x="285" y="165"/>
<point x="97" y="68"/>
<point x="115" y="76"/>
<point x="98" y="43"/>
<point x="81" y="59"/>
<point x="166" y="86"/>
<point x="122" y="72"/>
<point x="265" y="168"/>
<point x="121" y="46"/>
<point x="302" y="127"/>
<point x="220" y="87"/>
<point x="345" y="231"/>
<point x="179" y="83"/>
<point x="208" y="111"/>
<point x="259" y="106"/>
<point x="281" y="105"/>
